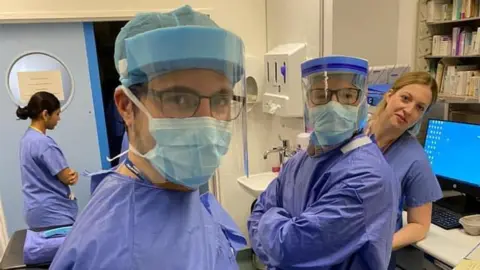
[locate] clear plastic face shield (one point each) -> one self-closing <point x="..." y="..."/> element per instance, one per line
<point x="187" y="84"/>
<point x="335" y="97"/>
<point x="415" y="129"/>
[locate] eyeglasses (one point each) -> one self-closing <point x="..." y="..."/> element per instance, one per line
<point x="321" y="96"/>
<point x="183" y="103"/>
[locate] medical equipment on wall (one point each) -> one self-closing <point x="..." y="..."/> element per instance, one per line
<point x="254" y="80"/>
<point x="386" y="74"/>
<point x="380" y="80"/>
<point x="283" y="96"/>
<point x="375" y="95"/>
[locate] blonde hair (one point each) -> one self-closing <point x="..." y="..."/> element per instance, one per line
<point x="409" y="78"/>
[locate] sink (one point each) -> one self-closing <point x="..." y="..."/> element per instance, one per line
<point x="256" y="183"/>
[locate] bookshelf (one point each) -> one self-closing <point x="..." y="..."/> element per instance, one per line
<point x="460" y="22"/>
<point x="437" y="18"/>
<point x="458" y="99"/>
<point x="459" y="57"/>
<point x="448" y="46"/>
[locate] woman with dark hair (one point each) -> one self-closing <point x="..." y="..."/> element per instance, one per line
<point x="46" y="176"/>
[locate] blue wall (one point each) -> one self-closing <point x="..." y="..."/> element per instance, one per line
<point x="81" y="133"/>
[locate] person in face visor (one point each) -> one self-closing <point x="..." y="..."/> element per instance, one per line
<point x="178" y="71"/>
<point x="332" y="206"/>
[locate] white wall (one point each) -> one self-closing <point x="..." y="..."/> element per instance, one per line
<point x="384" y="32"/>
<point x="407" y="31"/>
<point x="294" y="21"/>
<point x="60" y="10"/>
<point x="367" y="29"/>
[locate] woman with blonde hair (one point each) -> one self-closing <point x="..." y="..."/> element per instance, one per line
<point x="395" y="124"/>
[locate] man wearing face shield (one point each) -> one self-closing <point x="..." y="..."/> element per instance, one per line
<point x="178" y="71"/>
<point x="331" y="207"/>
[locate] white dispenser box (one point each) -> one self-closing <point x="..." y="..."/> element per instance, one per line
<point x="283" y="93"/>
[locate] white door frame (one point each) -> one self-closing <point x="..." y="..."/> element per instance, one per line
<point x="80" y="16"/>
<point x="327" y="28"/>
<point x="3" y="231"/>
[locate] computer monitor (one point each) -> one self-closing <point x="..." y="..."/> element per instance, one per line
<point x="453" y="149"/>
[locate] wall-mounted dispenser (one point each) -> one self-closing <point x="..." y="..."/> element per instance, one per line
<point x="254" y="80"/>
<point x="283" y="93"/>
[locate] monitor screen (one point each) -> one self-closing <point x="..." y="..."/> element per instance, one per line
<point x="453" y="149"/>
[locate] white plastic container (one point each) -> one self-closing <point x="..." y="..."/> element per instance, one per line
<point x="471" y="224"/>
<point x="303" y="139"/>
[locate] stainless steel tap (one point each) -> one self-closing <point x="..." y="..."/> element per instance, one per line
<point x="283" y="151"/>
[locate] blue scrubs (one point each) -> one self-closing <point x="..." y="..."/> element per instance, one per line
<point x="46" y="198"/>
<point x="418" y="183"/>
<point x="132" y="224"/>
<point x="333" y="211"/>
<point x="41" y="247"/>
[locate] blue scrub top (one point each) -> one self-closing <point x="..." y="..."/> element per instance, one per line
<point x="46" y="198"/>
<point x="418" y="183"/>
<point x="333" y="211"/>
<point x="132" y="224"/>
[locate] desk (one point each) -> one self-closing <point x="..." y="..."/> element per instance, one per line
<point x="447" y="246"/>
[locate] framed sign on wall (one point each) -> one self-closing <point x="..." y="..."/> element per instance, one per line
<point x="39" y="71"/>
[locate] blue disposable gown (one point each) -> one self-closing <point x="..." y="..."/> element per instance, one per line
<point x="131" y="224"/>
<point x="46" y="199"/>
<point x="418" y="183"/>
<point x="333" y="211"/>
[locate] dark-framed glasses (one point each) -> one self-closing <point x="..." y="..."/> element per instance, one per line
<point x="346" y="96"/>
<point x="184" y="103"/>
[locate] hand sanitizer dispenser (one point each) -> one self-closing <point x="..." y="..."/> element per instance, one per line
<point x="283" y="93"/>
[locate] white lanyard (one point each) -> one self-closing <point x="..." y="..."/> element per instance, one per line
<point x="358" y="142"/>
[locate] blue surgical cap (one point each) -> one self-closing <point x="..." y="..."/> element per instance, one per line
<point x="153" y="44"/>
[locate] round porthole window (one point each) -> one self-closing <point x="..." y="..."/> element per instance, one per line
<point x="37" y="71"/>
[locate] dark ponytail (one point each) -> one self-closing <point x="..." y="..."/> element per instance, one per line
<point x="23" y="113"/>
<point x="39" y="102"/>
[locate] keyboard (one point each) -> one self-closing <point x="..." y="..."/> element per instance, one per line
<point x="445" y="218"/>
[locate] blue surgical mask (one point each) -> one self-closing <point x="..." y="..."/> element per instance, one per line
<point x="187" y="150"/>
<point x="333" y="123"/>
